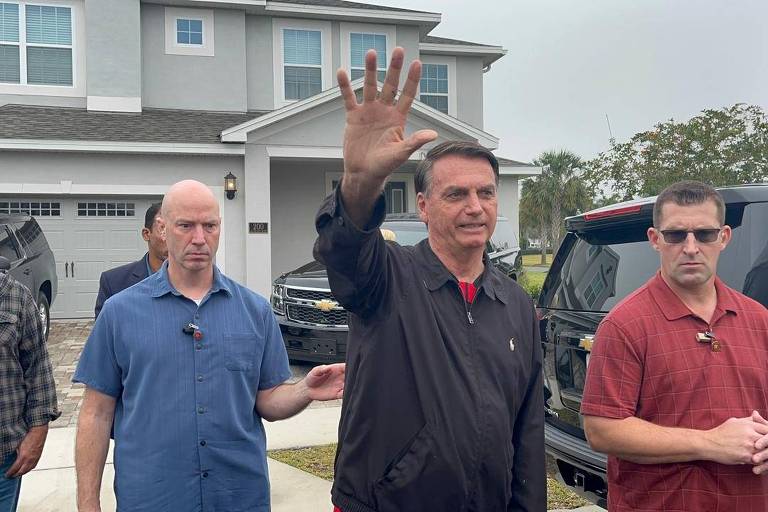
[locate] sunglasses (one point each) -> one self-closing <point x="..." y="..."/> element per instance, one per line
<point x="678" y="236"/>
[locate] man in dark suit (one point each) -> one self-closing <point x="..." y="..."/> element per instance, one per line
<point x="120" y="278"/>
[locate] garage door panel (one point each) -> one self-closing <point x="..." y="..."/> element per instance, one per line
<point x="55" y="237"/>
<point x="84" y="302"/>
<point x="90" y="239"/>
<point x="91" y="234"/>
<point x="87" y="271"/>
<point x="126" y="240"/>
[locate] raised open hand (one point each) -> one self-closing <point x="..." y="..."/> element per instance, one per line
<point x="374" y="139"/>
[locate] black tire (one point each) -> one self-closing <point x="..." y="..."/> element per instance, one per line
<point x="44" y="309"/>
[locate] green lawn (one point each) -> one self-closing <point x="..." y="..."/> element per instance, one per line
<point x="530" y="260"/>
<point x="535" y="278"/>
<point x="318" y="460"/>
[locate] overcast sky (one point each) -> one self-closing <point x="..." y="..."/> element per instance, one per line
<point x="571" y="62"/>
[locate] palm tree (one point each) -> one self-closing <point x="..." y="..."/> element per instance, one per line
<point x="558" y="192"/>
<point x="534" y="215"/>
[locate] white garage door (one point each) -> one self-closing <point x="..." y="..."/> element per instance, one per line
<point x="88" y="236"/>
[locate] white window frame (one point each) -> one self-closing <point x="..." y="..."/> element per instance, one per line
<point x="345" y="29"/>
<point x="281" y="24"/>
<point x="78" y="52"/>
<point x="451" y="63"/>
<point x="172" y="47"/>
<point x="406" y="177"/>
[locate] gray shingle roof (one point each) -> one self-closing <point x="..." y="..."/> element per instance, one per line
<point x="350" y="5"/>
<point x="151" y="125"/>
<point x="445" y="40"/>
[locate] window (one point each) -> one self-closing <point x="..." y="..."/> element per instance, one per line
<point x="434" y="86"/>
<point x="8" y="247"/>
<point x="357" y="39"/>
<point x="34" y="208"/>
<point x="438" y="83"/>
<point x="189" y="31"/>
<point x="394" y="196"/>
<point x="116" y="209"/>
<point x="302" y="57"/>
<point x="359" y="45"/>
<point x="36" y="44"/>
<point x="10" y="63"/>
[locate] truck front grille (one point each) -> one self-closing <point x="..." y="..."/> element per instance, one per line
<point x="305" y="294"/>
<point x="312" y="315"/>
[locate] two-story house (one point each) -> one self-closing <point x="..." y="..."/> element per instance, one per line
<point x="105" y="103"/>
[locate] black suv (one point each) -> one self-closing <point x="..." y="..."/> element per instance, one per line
<point x="314" y="325"/>
<point x="604" y="257"/>
<point x="25" y="254"/>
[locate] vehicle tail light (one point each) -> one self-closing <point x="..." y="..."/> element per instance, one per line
<point x="602" y="214"/>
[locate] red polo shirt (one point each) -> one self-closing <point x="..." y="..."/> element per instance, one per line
<point x="646" y="362"/>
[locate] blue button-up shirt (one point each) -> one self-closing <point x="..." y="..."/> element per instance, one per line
<point x="187" y="433"/>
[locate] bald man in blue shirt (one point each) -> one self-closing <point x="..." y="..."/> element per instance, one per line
<point x="187" y="362"/>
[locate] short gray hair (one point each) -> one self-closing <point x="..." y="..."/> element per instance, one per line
<point x="423" y="178"/>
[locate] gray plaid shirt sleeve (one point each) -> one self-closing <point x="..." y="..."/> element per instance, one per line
<point x="41" y="406"/>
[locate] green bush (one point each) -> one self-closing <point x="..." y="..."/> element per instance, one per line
<point x="532" y="282"/>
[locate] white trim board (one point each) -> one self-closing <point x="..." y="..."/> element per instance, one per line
<point x="113" y="103"/>
<point x="490" y="54"/>
<point x="521" y="170"/>
<point x="85" y="146"/>
<point x="317" y="10"/>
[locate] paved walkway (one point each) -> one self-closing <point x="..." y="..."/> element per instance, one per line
<point x="51" y="486"/>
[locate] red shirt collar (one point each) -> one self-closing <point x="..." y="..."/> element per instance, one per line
<point x="673" y="308"/>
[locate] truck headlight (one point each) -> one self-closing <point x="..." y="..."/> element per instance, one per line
<point x="278" y="299"/>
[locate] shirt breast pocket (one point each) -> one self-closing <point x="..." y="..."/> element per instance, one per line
<point x="240" y="351"/>
<point x="8" y="329"/>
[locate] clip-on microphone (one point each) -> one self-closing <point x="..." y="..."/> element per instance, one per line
<point x="189" y="329"/>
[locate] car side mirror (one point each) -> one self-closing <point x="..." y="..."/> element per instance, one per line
<point x="5" y="264"/>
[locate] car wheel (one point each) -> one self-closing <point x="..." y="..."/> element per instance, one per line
<point x="44" y="310"/>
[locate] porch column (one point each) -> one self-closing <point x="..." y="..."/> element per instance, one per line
<point x="509" y="202"/>
<point x="258" y="246"/>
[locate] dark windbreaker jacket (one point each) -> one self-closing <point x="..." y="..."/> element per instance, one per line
<point x="443" y="406"/>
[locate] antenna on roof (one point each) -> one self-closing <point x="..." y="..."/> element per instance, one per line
<point x="611" y="139"/>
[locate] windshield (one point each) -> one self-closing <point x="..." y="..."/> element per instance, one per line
<point x="406" y="233"/>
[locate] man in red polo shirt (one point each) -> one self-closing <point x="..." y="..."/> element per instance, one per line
<point x="677" y="385"/>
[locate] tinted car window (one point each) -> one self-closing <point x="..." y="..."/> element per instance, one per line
<point x="598" y="272"/>
<point x="8" y="247"/>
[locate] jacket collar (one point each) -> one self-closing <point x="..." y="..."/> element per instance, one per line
<point x="673" y="308"/>
<point x="141" y="267"/>
<point x="162" y="285"/>
<point x="436" y="275"/>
